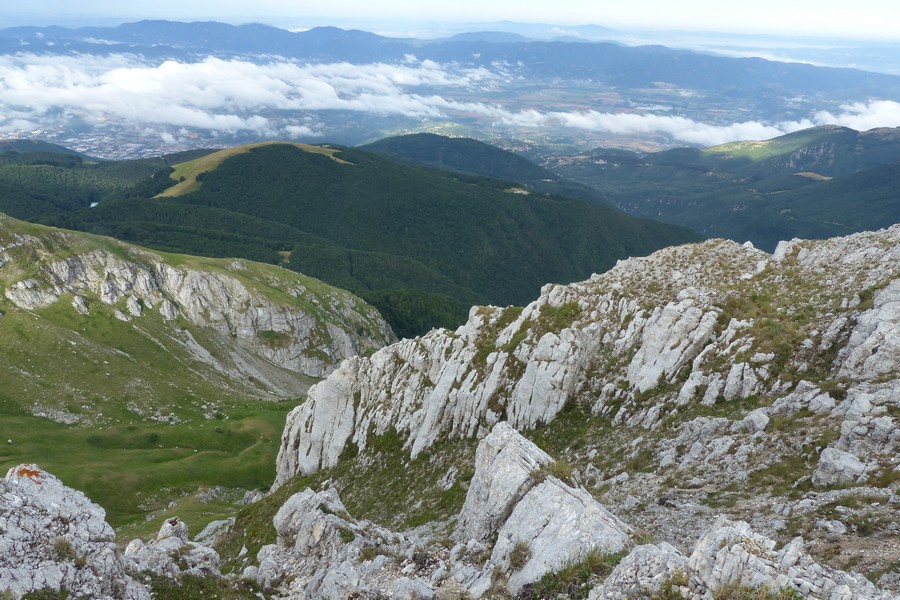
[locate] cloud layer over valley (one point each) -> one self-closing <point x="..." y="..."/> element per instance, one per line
<point x="281" y="98"/>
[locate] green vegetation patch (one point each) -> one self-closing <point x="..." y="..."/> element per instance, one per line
<point x="575" y="580"/>
<point x="136" y="470"/>
<point x="187" y="173"/>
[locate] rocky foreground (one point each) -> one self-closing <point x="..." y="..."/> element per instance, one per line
<point x="717" y="422"/>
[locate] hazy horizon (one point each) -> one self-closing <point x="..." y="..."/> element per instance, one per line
<point x="867" y="20"/>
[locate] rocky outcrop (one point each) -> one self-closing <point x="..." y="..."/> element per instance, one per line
<point x="53" y="537"/>
<point x="731" y="555"/>
<point x="536" y="522"/>
<point x="507" y="466"/>
<point x="692" y="325"/>
<point x="171" y="554"/>
<point x="243" y="320"/>
<point x="322" y="552"/>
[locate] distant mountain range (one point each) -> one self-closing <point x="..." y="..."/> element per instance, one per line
<point x="608" y="63"/>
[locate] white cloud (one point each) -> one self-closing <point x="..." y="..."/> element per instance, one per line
<point x="228" y="96"/>
<point x="863" y="116"/>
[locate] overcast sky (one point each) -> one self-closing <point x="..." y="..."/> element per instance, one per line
<point x="858" y="19"/>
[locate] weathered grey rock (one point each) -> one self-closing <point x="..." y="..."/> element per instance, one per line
<point x="52" y="536"/>
<point x="171" y="554"/>
<point x="528" y="511"/>
<point x="318" y="553"/>
<point x="642" y="572"/>
<point x="837" y="467"/>
<point x="558" y="524"/>
<point x="672" y="337"/>
<point x="505" y="470"/>
<point x="731" y="552"/>
<point x="874" y="347"/>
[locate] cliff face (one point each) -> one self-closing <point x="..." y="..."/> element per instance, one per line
<point x="701" y="325"/>
<point x="248" y="326"/>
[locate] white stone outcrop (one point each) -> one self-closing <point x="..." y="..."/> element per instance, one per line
<point x="559" y="525"/>
<point x="633" y="332"/>
<point x="54" y="537"/>
<point x="731" y="554"/>
<point x="172" y="553"/>
<point x="873" y="350"/>
<point x="506" y="468"/>
<point x="643" y="572"/>
<point x="319" y="554"/>
<point x="529" y="513"/>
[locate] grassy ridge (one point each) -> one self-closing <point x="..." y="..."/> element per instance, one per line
<point x="186" y="173"/>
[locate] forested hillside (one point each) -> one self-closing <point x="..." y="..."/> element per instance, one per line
<point x="422" y="244"/>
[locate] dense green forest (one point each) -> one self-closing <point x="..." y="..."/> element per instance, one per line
<point x="421" y="244"/>
<point x="815" y="183"/>
<point x="465" y="155"/>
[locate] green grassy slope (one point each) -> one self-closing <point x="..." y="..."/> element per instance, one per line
<point x="130" y="412"/>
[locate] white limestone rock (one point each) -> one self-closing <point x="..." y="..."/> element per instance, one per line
<point x="837" y="467"/>
<point x="642" y="573"/>
<point x="558" y="524"/>
<point x="318" y="553"/>
<point x="732" y="552"/>
<point x="873" y="350"/>
<point x="505" y="466"/>
<point x="171" y="554"/>
<point x="52" y="536"/>
<point x="672" y="337"/>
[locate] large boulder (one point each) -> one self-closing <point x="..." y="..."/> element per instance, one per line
<point x="505" y="468"/>
<point x="540" y="523"/>
<point x="52" y="536"/>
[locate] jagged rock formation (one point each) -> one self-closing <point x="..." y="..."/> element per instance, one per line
<point x="716" y="378"/>
<point x="323" y="552"/>
<point x="53" y="537"/>
<point x="515" y="502"/>
<point x="696" y="324"/>
<point x="731" y="554"/>
<point x="513" y="507"/>
<point x="519" y="524"/>
<point x="252" y="326"/>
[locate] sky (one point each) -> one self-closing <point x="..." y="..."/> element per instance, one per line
<point x="862" y="19"/>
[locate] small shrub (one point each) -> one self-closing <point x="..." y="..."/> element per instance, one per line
<point x="560" y="469"/>
<point x="347" y="535"/>
<point x="63" y="549"/>
<point x="575" y="580"/>
<point x="519" y="556"/>
<point x="670" y="588"/>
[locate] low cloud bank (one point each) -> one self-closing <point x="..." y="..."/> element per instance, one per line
<point x="232" y="96"/>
